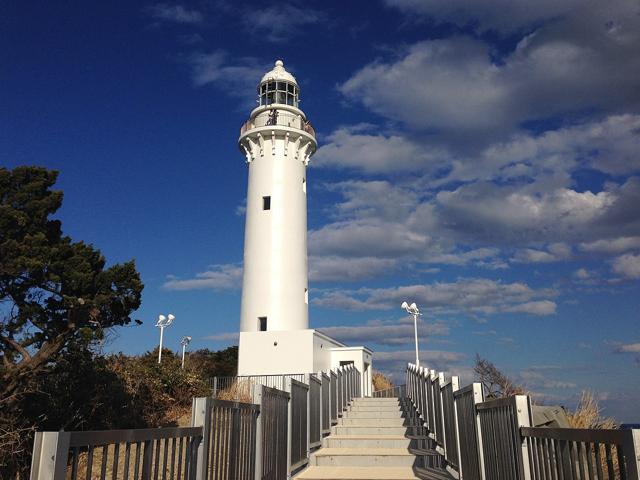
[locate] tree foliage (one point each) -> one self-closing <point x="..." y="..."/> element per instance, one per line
<point x="54" y="292"/>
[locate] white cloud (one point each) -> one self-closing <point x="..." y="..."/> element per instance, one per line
<point x="540" y="307"/>
<point x="627" y="265"/>
<point x="219" y="277"/>
<point x="385" y="333"/>
<point x="555" y="252"/>
<point x="471" y="295"/>
<point x="237" y="78"/>
<point x="334" y="268"/>
<point x="355" y="148"/>
<point x="612" y="245"/>
<point x="232" y="337"/>
<point x="455" y="86"/>
<point x="174" y="13"/>
<point x="629" y="348"/>
<point x="499" y="15"/>
<point x="582" y="274"/>
<point x="278" y="23"/>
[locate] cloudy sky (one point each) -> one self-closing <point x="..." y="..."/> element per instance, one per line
<point x="479" y="158"/>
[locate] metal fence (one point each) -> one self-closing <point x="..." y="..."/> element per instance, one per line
<point x="116" y="454"/>
<point x="272" y="446"/>
<point x="504" y="451"/>
<point x="325" y="403"/>
<point x="315" y="411"/>
<point x="298" y="445"/>
<point x="265" y="436"/>
<point x="229" y="438"/>
<point x="281" y="119"/>
<point x="577" y="454"/>
<point x="449" y="421"/>
<point x="470" y="463"/>
<point x="241" y="387"/>
<point x="397" y="391"/>
<point x="494" y="440"/>
<point x="333" y="392"/>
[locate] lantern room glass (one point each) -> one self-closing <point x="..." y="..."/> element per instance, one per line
<point x="283" y="93"/>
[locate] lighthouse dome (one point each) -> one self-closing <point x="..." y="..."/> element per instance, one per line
<point x="278" y="73"/>
<point x="278" y="87"/>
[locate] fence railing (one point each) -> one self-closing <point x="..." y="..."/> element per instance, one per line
<point x="283" y="119"/>
<point x="272" y="433"/>
<point x="397" y="391"/>
<point x="140" y="453"/>
<point x="325" y="396"/>
<point x="229" y="438"/>
<point x="264" y="437"/>
<point x="580" y="454"/>
<point x="315" y="411"/>
<point x="494" y="439"/>
<point x="299" y="439"/>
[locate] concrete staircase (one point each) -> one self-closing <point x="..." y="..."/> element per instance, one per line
<point x="376" y="439"/>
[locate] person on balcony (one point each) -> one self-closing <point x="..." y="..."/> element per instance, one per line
<point x="273" y="117"/>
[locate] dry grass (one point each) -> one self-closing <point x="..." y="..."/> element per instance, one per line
<point x="239" y="391"/>
<point x="589" y="415"/>
<point x="381" y="382"/>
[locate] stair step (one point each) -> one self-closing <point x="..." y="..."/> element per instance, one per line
<point x="374" y="414"/>
<point x="375" y="430"/>
<point x="377" y="422"/>
<point x="357" y="473"/>
<point x="377" y="441"/>
<point x="356" y="457"/>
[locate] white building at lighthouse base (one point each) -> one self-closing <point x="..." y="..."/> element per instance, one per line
<point x="300" y="351"/>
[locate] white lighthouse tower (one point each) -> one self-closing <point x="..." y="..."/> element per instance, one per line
<point x="278" y="142"/>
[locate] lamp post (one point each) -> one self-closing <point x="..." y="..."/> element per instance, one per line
<point x="184" y="342"/>
<point x="163" y="322"/>
<point x="413" y="310"/>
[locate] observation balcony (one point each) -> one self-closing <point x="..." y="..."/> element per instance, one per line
<point x="278" y="118"/>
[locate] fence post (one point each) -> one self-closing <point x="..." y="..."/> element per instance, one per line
<point x="215" y="387"/>
<point x="307" y="379"/>
<point x="257" y="399"/>
<point x="201" y="417"/>
<point x="634" y="467"/>
<point x="287" y="388"/>
<point x="441" y="382"/>
<point x="523" y="419"/>
<point x="49" y="460"/>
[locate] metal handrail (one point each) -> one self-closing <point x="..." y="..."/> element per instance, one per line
<point x="281" y="119"/>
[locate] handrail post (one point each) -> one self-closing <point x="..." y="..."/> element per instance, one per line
<point x="634" y="457"/>
<point x="523" y="418"/>
<point x="201" y="417"/>
<point x="287" y="388"/>
<point x="441" y="382"/>
<point x="49" y="460"/>
<point x="257" y="399"/>
<point x="307" y="378"/>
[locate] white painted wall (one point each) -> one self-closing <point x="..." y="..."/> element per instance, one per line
<point x="275" y="279"/>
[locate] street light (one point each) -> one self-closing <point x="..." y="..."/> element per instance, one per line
<point x="413" y="310"/>
<point x="163" y="322"/>
<point x="184" y="342"/>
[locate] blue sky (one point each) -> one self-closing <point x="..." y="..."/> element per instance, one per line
<point x="481" y="159"/>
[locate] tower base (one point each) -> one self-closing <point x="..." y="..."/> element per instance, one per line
<point x="300" y="351"/>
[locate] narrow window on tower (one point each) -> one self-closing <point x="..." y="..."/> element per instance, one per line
<point x="262" y="324"/>
<point x="304" y="185"/>
<point x="306" y="296"/>
<point x="266" y="203"/>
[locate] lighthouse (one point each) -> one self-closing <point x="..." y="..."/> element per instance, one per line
<point x="277" y="142"/>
